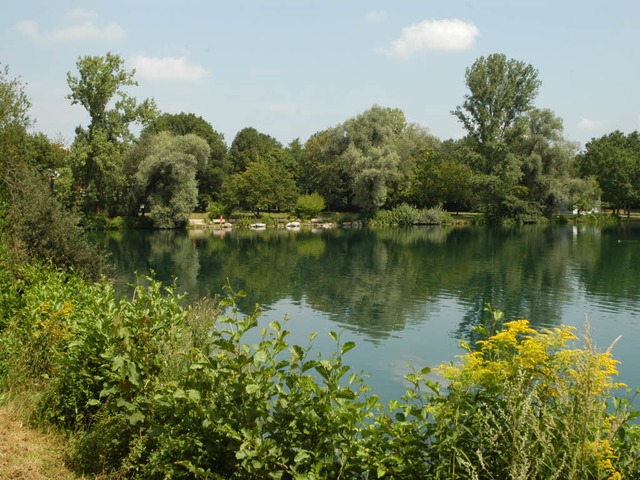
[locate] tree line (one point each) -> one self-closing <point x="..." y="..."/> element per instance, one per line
<point x="514" y="162"/>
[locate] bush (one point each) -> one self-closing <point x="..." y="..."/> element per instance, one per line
<point x="529" y="404"/>
<point x="405" y="215"/>
<point x="42" y="230"/>
<point x="309" y="206"/>
<point x="216" y="210"/>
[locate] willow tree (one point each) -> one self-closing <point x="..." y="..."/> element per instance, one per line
<point x="166" y="176"/>
<point x="371" y="155"/>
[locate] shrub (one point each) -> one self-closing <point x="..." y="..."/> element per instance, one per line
<point x="42" y="230"/>
<point x="309" y="206"/>
<point x="405" y="215"/>
<point x="528" y="404"/>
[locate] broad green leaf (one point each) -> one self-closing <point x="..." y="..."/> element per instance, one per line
<point x="136" y="417"/>
<point x="275" y="325"/>
<point x="260" y="357"/>
<point x="347" y="346"/>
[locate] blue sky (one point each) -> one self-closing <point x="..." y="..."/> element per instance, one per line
<point x="291" y="68"/>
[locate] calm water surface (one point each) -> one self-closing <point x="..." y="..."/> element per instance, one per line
<point x="406" y="296"/>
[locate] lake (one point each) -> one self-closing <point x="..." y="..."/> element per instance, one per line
<point x="406" y="296"/>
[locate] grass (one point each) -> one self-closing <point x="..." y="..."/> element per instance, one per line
<point x="27" y="453"/>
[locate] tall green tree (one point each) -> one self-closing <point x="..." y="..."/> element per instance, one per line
<point x="324" y="170"/>
<point x="248" y="145"/>
<point x="98" y="151"/>
<point x="414" y="145"/>
<point x="209" y="178"/>
<point x="265" y="185"/>
<point x="14" y="122"/>
<point x="501" y="91"/>
<point x="371" y="155"/>
<point x="166" y="176"/>
<point x="614" y="161"/>
<point x="548" y="161"/>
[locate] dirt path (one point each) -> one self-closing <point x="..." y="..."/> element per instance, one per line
<point x="29" y="454"/>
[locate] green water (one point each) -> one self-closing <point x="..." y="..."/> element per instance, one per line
<point x="406" y="296"/>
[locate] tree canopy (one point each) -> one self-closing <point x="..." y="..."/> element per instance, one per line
<point x="166" y="176"/>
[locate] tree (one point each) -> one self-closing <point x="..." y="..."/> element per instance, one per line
<point x="414" y="144"/>
<point x="167" y="176"/>
<point x="501" y="91"/>
<point x="249" y="145"/>
<point x="547" y="160"/>
<point x="209" y="178"/>
<point x="98" y="151"/>
<point x="14" y="122"/>
<point x="614" y="161"/>
<point x="264" y="185"/>
<point x="324" y="171"/>
<point x="371" y="155"/>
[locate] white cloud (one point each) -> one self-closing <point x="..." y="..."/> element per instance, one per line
<point x="376" y="16"/>
<point x="433" y="35"/>
<point x="168" y="68"/>
<point x="84" y="29"/>
<point x="88" y="31"/>
<point x="588" y="124"/>
<point x="29" y="29"/>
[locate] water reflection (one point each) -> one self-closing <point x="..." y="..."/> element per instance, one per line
<point x="378" y="281"/>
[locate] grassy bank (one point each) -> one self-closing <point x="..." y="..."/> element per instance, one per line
<point x="28" y="453"/>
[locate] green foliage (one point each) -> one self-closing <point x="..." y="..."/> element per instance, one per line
<point x="98" y="152"/>
<point x="216" y="210"/>
<point x="41" y="229"/>
<point x="166" y="176"/>
<point x="371" y="156"/>
<point x="309" y="206"/>
<point x="501" y="90"/>
<point x="210" y="176"/>
<point x="405" y="215"/>
<point x="265" y="185"/>
<point x="614" y="161"/>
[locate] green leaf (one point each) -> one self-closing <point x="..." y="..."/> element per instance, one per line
<point x="136" y="417"/>
<point x="252" y="388"/>
<point x="260" y="357"/>
<point x="347" y="346"/>
<point x="275" y="326"/>
<point x="333" y="335"/>
<point x="193" y="395"/>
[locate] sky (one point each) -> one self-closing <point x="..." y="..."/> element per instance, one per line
<point x="291" y="68"/>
